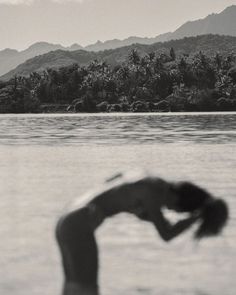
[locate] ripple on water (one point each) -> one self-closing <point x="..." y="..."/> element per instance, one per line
<point x="117" y="129"/>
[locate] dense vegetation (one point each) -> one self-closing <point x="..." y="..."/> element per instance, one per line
<point x="151" y="82"/>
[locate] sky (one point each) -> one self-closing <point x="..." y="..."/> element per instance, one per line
<point x="24" y="22"/>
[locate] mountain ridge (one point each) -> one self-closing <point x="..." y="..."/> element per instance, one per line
<point x="223" y="23"/>
<point x="210" y="44"/>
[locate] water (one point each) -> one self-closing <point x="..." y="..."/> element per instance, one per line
<point x="48" y="160"/>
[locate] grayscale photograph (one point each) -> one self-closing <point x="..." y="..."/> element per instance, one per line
<point x="117" y="147"/>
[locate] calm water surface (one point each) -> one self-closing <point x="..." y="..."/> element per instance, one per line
<point x="48" y="160"/>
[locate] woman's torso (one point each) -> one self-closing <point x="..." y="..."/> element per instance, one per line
<point x="130" y="193"/>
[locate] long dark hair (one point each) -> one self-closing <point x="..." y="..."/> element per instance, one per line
<point x="214" y="212"/>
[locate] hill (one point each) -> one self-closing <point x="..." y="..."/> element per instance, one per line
<point x="165" y="82"/>
<point x="11" y="58"/>
<point x="116" y="43"/>
<point x="210" y="44"/>
<point x="223" y="23"/>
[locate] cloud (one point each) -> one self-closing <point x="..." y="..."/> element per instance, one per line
<point x="28" y="2"/>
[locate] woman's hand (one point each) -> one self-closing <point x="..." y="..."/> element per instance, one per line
<point x="197" y="214"/>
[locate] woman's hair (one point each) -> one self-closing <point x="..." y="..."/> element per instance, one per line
<point x="214" y="212"/>
<point x="214" y="217"/>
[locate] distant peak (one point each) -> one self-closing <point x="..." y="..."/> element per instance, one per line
<point x="132" y="37"/>
<point x="75" y="46"/>
<point x="229" y="9"/>
<point x="37" y="44"/>
<point x="8" y="50"/>
<point x="43" y="45"/>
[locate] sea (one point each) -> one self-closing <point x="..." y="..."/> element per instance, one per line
<point x="49" y="160"/>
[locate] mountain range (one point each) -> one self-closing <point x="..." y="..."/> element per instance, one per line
<point x="209" y="44"/>
<point x="11" y="58"/>
<point x="223" y="23"/>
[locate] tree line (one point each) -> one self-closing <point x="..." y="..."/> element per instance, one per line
<point x="144" y="83"/>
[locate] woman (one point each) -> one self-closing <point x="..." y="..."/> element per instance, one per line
<point x="143" y="196"/>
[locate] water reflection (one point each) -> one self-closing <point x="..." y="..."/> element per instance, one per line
<point x="117" y="129"/>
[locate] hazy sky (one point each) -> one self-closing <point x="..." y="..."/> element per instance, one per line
<point x="23" y="22"/>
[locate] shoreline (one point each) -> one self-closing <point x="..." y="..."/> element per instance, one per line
<point x="121" y="113"/>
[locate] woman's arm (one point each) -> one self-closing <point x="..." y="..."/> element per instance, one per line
<point x="168" y="231"/>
